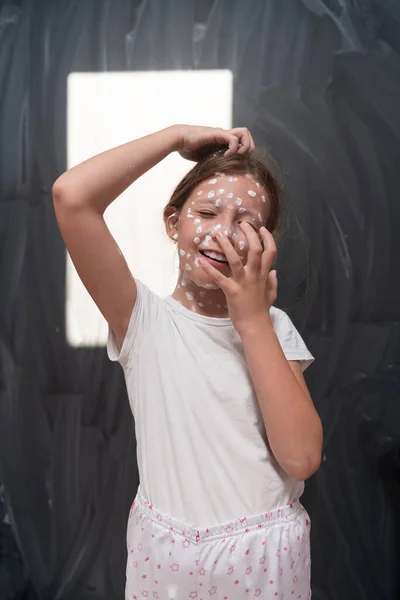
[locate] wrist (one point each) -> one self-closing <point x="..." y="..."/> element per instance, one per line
<point x="254" y="325"/>
<point x="177" y="136"/>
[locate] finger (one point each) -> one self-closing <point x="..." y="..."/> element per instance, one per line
<point x="245" y="139"/>
<point x="269" y="254"/>
<point x="245" y="144"/>
<point x="233" y="145"/>
<point x="273" y="286"/>
<point x="232" y="256"/>
<point x="252" y="144"/>
<point x="214" y="274"/>
<point x="274" y="279"/>
<point x="255" y="248"/>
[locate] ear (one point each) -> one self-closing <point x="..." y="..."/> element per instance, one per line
<point x="171" y="218"/>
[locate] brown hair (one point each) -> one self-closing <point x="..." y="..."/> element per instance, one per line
<point x="254" y="163"/>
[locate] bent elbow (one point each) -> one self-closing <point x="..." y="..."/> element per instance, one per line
<point x="65" y="197"/>
<point x="58" y="190"/>
<point x="303" y="470"/>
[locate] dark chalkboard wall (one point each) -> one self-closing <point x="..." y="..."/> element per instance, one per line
<point x="318" y="83"/>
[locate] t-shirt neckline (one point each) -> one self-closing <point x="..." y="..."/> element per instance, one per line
<point x="216" y="321"/>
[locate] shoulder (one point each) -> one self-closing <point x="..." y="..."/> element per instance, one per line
<point x="279" y="318"/>
<point x="148" y="310"/>
<point x="290" y="339"/>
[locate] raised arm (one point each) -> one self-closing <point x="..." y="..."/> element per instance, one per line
<point x="81" y="196"/>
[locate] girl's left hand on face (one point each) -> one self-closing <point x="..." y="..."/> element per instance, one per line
<point x="252" y="288"/>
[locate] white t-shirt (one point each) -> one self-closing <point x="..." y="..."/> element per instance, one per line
<point x="202" y="452"/>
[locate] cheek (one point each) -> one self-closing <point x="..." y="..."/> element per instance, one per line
<point x="190" y="229"/>
<point x="241" y="243"/>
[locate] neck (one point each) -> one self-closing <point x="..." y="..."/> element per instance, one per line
<point x="207" y="302"/>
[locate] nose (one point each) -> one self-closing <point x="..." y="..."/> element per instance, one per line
<point x="227" y="227"/>
<point x="233" y="232"/>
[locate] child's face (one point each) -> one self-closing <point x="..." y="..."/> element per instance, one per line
<point x="220" y="203"/>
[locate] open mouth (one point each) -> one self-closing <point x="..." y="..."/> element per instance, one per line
<point x="216" y="257"/>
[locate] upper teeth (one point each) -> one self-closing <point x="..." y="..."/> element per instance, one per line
<point x="215" y="255"/>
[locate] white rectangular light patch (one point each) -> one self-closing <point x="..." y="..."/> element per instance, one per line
<point x="108" y="109"/>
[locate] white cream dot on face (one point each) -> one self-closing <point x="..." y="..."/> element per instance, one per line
<point x="259" y="217"/>
<point x="221" y="191"/>
<point x="175" y="236"/>
<point x="200" y="193"/>
<point x="196" y="240"/>
<point x="263" y="198"/>
<point x="252" y="193"/>
<point x="188" y="267"/>
<point x="202" y="294"/>
<point x="196" y="262"/>
<point x="235" y="179"/>
<point x="230" y="195"/>
<point x="211" y="194"/>
<point x="207" y="240"/>
<point x="238" y="201"/>
<point x="241" y="245"/>
<point x="196" y="221"/>
<point x="189" y="296"/>
<point x="212" y="181"/>
<point x="242" y="210"/>
<point x="201" y="304"/>
<point x="210" y="286"/>
<point x="230" y="205"/>
<point x="218" y="202"/>
<point x="189" y="216"/>
<point x="188" y="255"/>
<point x="199" y="229"/>
<point x="257" y="184"/>
<point x="182" y="252"/>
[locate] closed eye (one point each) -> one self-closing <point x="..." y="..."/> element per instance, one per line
<point x="207" y="214"/>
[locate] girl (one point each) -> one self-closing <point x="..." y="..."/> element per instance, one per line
<point x="226" y="429"/>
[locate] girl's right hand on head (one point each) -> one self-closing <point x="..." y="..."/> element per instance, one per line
<point x="197" y="142"/>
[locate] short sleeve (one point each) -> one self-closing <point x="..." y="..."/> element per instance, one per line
<point x="289" y="338"/>
<point x="144" y="314"/>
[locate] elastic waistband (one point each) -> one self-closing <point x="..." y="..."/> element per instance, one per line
<point x="266" y="520"/>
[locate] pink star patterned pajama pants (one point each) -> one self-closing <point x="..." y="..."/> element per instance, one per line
<point x="265" y="556"/>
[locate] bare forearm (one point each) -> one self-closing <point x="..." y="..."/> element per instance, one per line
<point x="99" y="180"/>
<point x="292" y="424"/>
